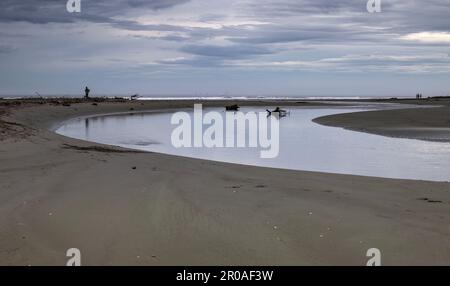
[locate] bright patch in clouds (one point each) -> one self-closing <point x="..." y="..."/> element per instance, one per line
<point x="428" y="37"/>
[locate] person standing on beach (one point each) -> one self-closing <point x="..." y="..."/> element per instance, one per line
<point x="86" y="91"/>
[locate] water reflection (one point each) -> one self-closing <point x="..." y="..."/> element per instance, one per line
<point x="86" y="126"/>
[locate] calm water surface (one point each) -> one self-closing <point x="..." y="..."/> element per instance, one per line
<point x="304" y="145"/>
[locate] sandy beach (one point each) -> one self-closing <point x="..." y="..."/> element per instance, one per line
<point x="431" y="124"/>
<point x="124" y="207"/>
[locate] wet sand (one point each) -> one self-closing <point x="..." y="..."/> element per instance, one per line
<point x="122" y="207"/>
<point x="432" y="124"/>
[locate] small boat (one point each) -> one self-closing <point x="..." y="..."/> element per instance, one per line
<point x="233" y="107"/>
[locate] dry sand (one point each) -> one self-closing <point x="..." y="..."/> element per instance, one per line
<point x="58" y="193"/>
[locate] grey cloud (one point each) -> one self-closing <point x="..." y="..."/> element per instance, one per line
<point x="234" y="51"/>
<point x="278" y="8"/>
<point x="279" y="34"/>
<point x="308" y="22"/>
<point x="214" y="56"/>
<point x="346" y="17"/>
<point x="323" y="21"/>
<point x="196" y="61"/>
<point x="134" y="26"/>
<point x="437" y="63"/>
<point x="211" y="17"/>
<point x="4" y="49"/>
<point x="54" y="11"/>
<point x="291" y="20"/>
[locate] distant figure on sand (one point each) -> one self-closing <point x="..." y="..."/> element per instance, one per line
<point x="86" y="91"/>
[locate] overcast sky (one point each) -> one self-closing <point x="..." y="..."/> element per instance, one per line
<point x="225" y="47"/>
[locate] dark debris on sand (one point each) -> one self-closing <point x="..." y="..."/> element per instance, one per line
<point x="99" y="149"/>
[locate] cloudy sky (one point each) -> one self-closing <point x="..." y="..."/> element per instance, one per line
<point x="225" y="47"/>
